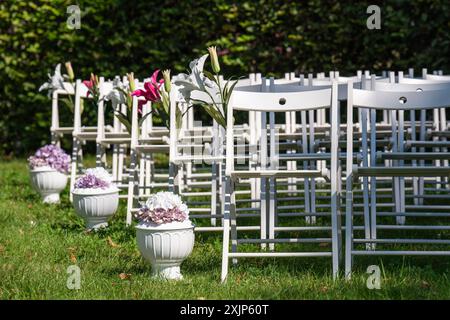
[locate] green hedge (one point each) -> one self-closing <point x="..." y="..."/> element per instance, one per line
<point x="271" y="37"/>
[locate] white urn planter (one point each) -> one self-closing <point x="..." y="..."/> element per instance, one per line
<point x="96" y="206"/>
<point x="166" y="246"/>
<point x="48" y="182"/>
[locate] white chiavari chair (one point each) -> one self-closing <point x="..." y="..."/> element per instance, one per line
<point x="146" y="142"/>
<point x="268" y="104"/>
<point x="384" y="230"/>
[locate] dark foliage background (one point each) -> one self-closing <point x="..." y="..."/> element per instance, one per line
<point x="272" y="37"/>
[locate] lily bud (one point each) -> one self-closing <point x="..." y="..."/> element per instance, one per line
<point x="94" y="80"/>
<point x="214" y="59"/>
<point x="70" y="71"/>
<point x="131" y="82"/>
<point x="166" y="76"/>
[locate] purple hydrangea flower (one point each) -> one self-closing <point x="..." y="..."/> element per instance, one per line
<point x="90" y="181"/>
<point x="52" y="156"/>
<point x="94" y="178"/>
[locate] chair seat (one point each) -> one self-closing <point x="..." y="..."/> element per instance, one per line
<point x="148" y="140"/>
<point x="427" y="144"/>
<point x="181" y="159"/>
<point x="116" y="135"/>
<point x="63" y="130"/>
<point x="413" y="156"/>
<point x="92" y="136"/>
<point x="164" y="148"/>
<point x="278" y="174"/>
<point x="401" y="171"/>
<point x="115" y="140"/>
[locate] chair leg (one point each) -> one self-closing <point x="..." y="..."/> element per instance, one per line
<point x="114" y="164"/>
<point x="373" y="210"/>
<point x="233" y="220"/>
<point x="132" y="182"/>
<point x="214" y="193"/>
<point x="272" y="211"/>
<point x="55" y="139"/>
<point x="142" y="175"/>
<point x="263" y="206"/>
<point x="335" y="226"/>
<point x="74" y="166"/>
<point x="98" y="156"/>
<point x="348" y="232"/>
<point x="367" y="217"/>
<point x="148" y="174"/>
<point x="312" y="203"/>
<point x="398" y="200"/>
<point x="173" y="178"/>
<point x="120" y="163"/>
<point x="307" y="199"/>
<point x="226" y="233"/>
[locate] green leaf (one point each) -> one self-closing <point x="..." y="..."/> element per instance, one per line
<point x="142" y="119"/>
<point x="210" y="76"/>
<point x="123" y="119"/>
<point x="68" y="103"/>
<point x="215" y="114"/>
<point x="179" y="117"/>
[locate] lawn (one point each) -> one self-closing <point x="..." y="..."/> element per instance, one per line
<point x="39" y="242"/>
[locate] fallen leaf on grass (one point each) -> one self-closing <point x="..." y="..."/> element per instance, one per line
<point x="425" y="285"/>
<point x="30" y="255"/>
<point x="111" y="243"/>
<point x="125" y="276"/>
<point x="324" y="289"/>
<point x="73" y="259"/>
<point x="72" y="256"/>
<point x="30" y="206"/>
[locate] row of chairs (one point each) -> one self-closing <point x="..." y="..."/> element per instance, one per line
<point x="302" y="154"/>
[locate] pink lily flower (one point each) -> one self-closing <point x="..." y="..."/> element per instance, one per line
<point x="91" y="83"/>
<point x="150" y="92"/>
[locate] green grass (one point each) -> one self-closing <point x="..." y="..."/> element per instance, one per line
<point x="38" y="242"/>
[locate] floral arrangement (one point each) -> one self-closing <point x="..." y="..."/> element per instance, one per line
<point x="163" y="207"/>
<point x="56" y="82"/>
<point x="95" y="178"/>
<point x="121" y="94"/>
<point x="202" y="80"/>
<point x="157" y="92"/>
<point x="51" y="156"/>
<point x="93" y="87"/>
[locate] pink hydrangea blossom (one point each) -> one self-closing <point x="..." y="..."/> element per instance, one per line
<point x="163" y="207"/>
<point x="160" y="215"/>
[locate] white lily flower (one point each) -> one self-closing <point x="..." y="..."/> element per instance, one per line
<point x="116" y="94"/>
<point x="55" y="82"/>
<point x="196" y="80"/>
